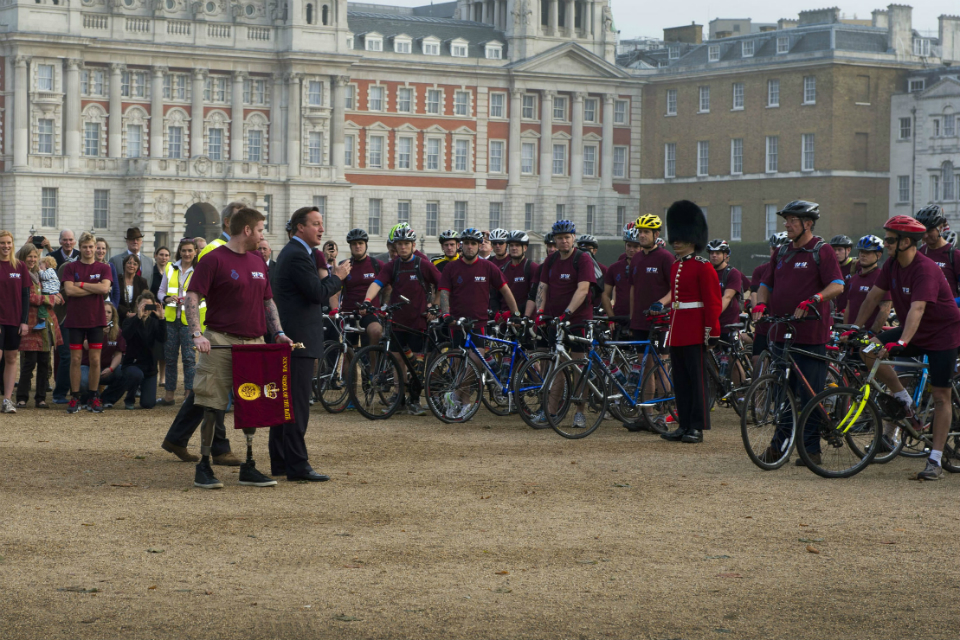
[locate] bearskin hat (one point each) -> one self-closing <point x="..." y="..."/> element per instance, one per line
<point x="686" y="223"/>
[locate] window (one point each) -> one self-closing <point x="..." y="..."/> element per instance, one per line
<point x="461" y="103"/>
<point x="590" y="110"/>
<point x="807" y="151"/>
<point x="783" y="44"/>
<point x="561" y="212"/>
<point x="459" y="215"/>
<point x="315" y="93"/>
<point x="101" y="208"/>
<point x="374" y="207"/>
<point x="906" y="127"/>
<point x="215" y="88"/>
<point x="433" y="101"/>
<point x="621" y="216"/>
<point x="673" y="53"/>
<point x="267" y="207"/>
<point x="45" y="77"/>
<point x="903" y="188"/>
<point x="934" y="188"/>
<point x="497" y="105"/>
<point x="403" y="211"/>
<point x="98" y="83"/>
<point x="949" y="126"/>
<point x="139" y="86"/>
<point x="559" y="159"/>
<point x="320" y="202"/>
<point x="619" y="162"/>
<point x="736" y="222"/>
<point x="495" y="210"/>
<point x="528" y="152"/>
<point x="529" y="107"/>
<point x="349" y="92"/>
<point x="349" y="143"/>
<point x="405" y="99"/>
<point x="713" y="53"/>
<point x="736" y="156"/>
<point x="401" y="46"/>
<point x="921" y="47"/>
<point x="259" y="91"/>
<point x="809" y="90"/>
<point x="404" y="152"/>
<point x="591" y="217"/>
<point x="528" y="209"/>
<point x="770" y="219"/>
<point x="125" y="85"/>
<point x="458" y="50"/>
<point x="254" y="145"/>
<point x="915" y="86"/>
<point x="135" y="142"/>
<point x="746" y="49"/>
<point x="773" y="142"/>
<point x="431" y="48"/>
<point x="670" y="160"/>
<point x="493" y="51"/>
<point x="48" y="207"/>
<point x="376" y="152"/>
<point x="590" y="161"/>
<point x="91" y="139"/>
<point x="376" y="98"/>
<point x="461" y="149"/>
<point x="620" y="112"/>
<point x="315" y="148"/>
<point x="737" y="95"/>
<point x="704" y="99"/>
<point x="433" y="218"/>
<point x="433" y="154"/>
<point x="773" y="93"/>
<point x="559" y="108"/>
<point x="936" y="127"/>
<point x="947" y="179"/>
<point x="496" y="156"/>
<point x="215" y="144"/>
<point x="373" y="43"/>
<point x="703" y="158"/>
<point x="175" y="142"/>
<point x="671" y="102"/>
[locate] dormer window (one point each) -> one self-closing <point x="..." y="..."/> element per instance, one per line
<point x="783" y="44"/>
<point x="673" y="53"/>
<point x="746" y="48"/>
<point x="493" y="51"/>
<point x="431" y="46"/>
<point x="373" y="41"/>
<point x="713" y="53"/>
<point x="458" y="48"/>
<point x="402" y="44"/>
<point x="921" y="47"/>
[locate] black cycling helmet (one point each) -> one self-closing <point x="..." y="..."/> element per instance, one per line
<point x="718" y="244"/>
<point x="779" y="239"/>
<point x="841" y="241"/>
<point x="518" y="237"/>
<point x="587" y="240"/>
<point x="357" y="234"/>
<point x="548" y="238"/>
<point x="931" y="216"/>
<point x="449" y="234"/>
<point x="472" y="234"/>
<point x="801" y="209"/>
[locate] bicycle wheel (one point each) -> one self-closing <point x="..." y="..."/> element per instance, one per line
<point x="576" y="398"/>
<point x="331" y="387"/>
<point x="528" y="382"/>
<point x="848" y="427"/>
<point x="453" y="387"/>
<point x="375" y="384"/>
<point x="493" y="397"/>
<point x="951" y="453"/>
<point x="768" y="422"/>
<point x="657" y="399"/>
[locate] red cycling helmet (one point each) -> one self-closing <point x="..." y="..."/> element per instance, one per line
<point x="906" y="227"/>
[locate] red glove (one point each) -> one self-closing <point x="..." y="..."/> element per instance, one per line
<point x="501" y="316"/>
<point x="333" y="312"/>
<point x="562" y="317"/>
<point x="760" y="308"/>
<point x="894" y="348"/>
<point x="447" y="318"/>
<point x="808" y="305"/>
<point x="538" y="320"/>
<point x="847" y="334"/>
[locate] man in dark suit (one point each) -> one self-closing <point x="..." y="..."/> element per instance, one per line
<point x="66" y="252"/>
<point x="134" y="241"/>
<point x="299" y="294"/>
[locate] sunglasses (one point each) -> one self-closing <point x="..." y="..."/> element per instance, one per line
<point x="498" y="242"/>
<point x="890" y="240"/>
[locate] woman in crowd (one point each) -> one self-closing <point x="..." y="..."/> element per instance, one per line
<point x="35" y="346"/>
<point x="131" y="286"/>
<point x="173" y="287"/>
<point x="138" y="366"/>
<point x="111" y="373"/>
<point x="15" y="296"/>
<point x="102" y="254"/>
<point x="161" y="258"/>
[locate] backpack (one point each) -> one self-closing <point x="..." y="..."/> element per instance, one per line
<point x="416" y="266"/>
<point x="782" y="252"/>
<point x="723" y="280"/>
<point x="596" y="288"/>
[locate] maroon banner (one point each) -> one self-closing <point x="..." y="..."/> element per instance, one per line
<point x="261" y="385"/>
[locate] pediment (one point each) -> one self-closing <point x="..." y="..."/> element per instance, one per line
<point x="407" y="127"/>
<point x="530" y="133"/>
<point x="435" y="128"/>
<point x="464" y="131"/>
<point x="378" y="126"/>
<point x="592" y="137"/>
<point x="562" y="135"/>
<point x="946" y="87"/>
<point x="568" y="59"/>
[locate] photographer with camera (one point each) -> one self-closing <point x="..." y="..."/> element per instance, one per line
<point x="138" y="367"/>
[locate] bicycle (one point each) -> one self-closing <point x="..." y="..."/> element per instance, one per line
<point x="720" y="365"/>
<point x="330" y="387"/>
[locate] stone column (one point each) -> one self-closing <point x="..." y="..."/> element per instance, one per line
<point x="513" y="151"/>
<point x="196" y="113"/>
<point x="546" y="137"/>
<point x="115" y="120"/>
<point x="236" y="117"/>
<point x="606" y="168"/>
<point x="276" y="118"/>
<point x="576" y="144"/>
<point x="9" y="72"/>
<point x="337" y="149"/>
<point x="71" y="113"/>
<point x="484" y="11"/>
<point x="293" y="124"/>
<point x="21" y="120"/>
<point x="156" y="113"/>
<point x="553" y="16"/>
<point x="570" y="19"/>
<point x="496" y="14"/>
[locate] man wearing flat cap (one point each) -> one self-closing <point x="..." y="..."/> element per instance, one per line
<point x="134" y="243"/>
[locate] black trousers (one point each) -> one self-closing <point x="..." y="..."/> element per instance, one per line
<point x="689" y="387"/>
<point x="188" y="419"/>
<point x="28" y="361"/>
<point x="288" y="450"/>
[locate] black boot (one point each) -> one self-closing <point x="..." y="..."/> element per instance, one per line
<point x="249" y="476"/>
<point x="674" y="436"/>
<point x="692" y="436"/>
<point x="204" y="477"/>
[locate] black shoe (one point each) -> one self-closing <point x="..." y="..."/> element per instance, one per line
<point x="250" y="477"/>
<point x="204" y="477"/>
<point x="692" y="436"/>
<point x="310" y="476"/>
<point x="816" y="459"/>
<point x="674" y="436"/>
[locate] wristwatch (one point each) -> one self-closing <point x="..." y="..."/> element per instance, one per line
<point x="196" y="334"/>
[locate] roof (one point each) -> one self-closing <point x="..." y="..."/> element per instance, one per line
<point x="418" y="27"/>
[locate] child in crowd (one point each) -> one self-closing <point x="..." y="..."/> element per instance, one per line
<point x="50" y="285"/>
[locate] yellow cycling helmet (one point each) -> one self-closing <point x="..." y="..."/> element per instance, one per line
<point x="648" y="221"/>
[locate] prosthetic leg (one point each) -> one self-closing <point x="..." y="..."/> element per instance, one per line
<point x="204" y="478"/>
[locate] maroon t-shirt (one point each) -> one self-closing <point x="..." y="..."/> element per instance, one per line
<point x="731" y="315"/>
<point x="650" y="278"/>
<point x="86" y="312"/>
<point x="759" y="274"/>
<point x="920" y="282"/>
<point x="516" y="278"/>
<point x="860" y="285"/>
<point x="941" y="257"/>
<point x="841" y="301"/>
<point x="12" y="283"/>
<point x="470" y="286"/>
<point x="110" y="347"/>
<point x="618" y="276"/>
<point x="235" y="286"/>
<point x="408" y="284"/>
<point x="499" y="262"/>
<point x="796" y="278"/>
<point x="362" y="274"/>
<point x="562" y="279"/>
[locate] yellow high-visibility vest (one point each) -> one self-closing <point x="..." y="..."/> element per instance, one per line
<point x="173" y="291"/>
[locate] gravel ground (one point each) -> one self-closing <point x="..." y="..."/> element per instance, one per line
<point x="483" y="530"/>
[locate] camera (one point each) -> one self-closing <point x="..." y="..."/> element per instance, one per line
<point x="150" y="307"/>
<point x="38" y="241"/>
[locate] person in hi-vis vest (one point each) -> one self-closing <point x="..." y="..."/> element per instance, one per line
<point x="173" y="288"/>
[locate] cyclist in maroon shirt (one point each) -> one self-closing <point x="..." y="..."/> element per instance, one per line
<point x="936" y="247"/>
<point x="843" y="247"/>
<point x="865" y="274"/>
<point x="364" y="269"/>
<point x="521" y="273"/>
<point x="616" y="281"/>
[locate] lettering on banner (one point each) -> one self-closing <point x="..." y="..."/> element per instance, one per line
<point x="285" y="383"/>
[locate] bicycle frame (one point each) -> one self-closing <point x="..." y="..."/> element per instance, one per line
<point x="649" y="350"/>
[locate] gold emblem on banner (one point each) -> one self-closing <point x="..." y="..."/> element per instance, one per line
<point x="248" y="391"/>
<point x="270" y="390"/>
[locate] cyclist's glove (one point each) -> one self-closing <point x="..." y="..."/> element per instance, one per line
<point x="368" y="306"/>
<point x="333" y="312"/>
<point x="895" y="348"/>
<point x="810" y="304"/>
<point x="656" y="307"/>
<point x="760" y="308"/>
<point x="446" y="318"/>
<point x="538" y="320"/>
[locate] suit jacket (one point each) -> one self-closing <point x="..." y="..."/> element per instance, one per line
<point x="58" y="256"/>
<point x="146" y="264"/>
<point x="299" y="294"/>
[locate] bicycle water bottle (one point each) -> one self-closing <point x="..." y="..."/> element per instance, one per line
<point x="618" y="374"/>
<point x="724" y="365"/>
<point x="505" y="366"/>
<point x="830" y="401"/>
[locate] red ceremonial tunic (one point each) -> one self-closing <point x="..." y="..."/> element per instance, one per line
<point x="694" y="282"/>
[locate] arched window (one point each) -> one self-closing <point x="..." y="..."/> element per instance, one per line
<point x="947" y="180"/>
<point x="325" y="15"/>
<point x="310" y="13"/>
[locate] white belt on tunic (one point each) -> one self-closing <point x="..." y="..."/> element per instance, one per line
<point x="687" y="305"/>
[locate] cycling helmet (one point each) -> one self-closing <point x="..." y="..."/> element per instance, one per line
<point x="548" y="238"/>
<point x="472" y="234"/>
<point x="779" y="239"/>
<point x="357" y="234"/>
<point x="587" y="240"/>
<point x="905" y="227"/>
<point x="631" y="235"/>
<point x="498" y="235"/>
<point x="404" y="233"/>
<point x="449" y="234"/>
<point x="950" y="237"/>
<point x="931" y="216"/>
<point x="870" y="243"/>
<point x="648" y="221"/>
<point x="661" y="243"/>
<point x="718" y="244"/>
<point x="563" y="226"/>
<point x="393" y="231"/>
<point x="518" y="237"/>
<point x="841" y="241"/>
<point x="801" y="209"/>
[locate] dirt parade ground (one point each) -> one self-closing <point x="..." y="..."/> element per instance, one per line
<point x="482" y="530"/>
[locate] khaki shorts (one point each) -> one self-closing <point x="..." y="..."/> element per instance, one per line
<point x="213" y="381"/>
